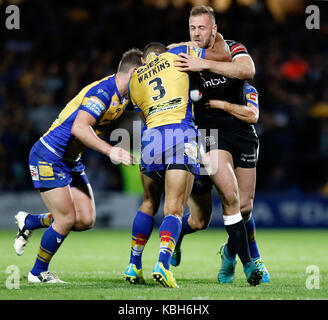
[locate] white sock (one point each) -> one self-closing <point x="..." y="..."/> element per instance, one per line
<point x="232" y="219"/>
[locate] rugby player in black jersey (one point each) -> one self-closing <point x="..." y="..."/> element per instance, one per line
<point x="231" y="150"/>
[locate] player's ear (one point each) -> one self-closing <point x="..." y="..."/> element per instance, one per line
<point x="132" y="70"/>
<point x="214" y="30"/>
<point x="143" y="60"/>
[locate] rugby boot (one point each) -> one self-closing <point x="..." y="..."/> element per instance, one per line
<point x="133" y="275"/>
<point x="228" y="264"/>
<point x="44" y="277"/>
<point x="176" y="257"/>
<point x="163" y="276"/>
<point x="259" y="262"/>
<point x="253" y="273"/>
<point x="23" y="234"/>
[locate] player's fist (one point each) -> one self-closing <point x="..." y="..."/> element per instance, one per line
<point x="119" y="155"/>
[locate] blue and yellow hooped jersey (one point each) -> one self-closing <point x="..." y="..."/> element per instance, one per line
<point x="102" y="100"/>
<point x="160" y="91"/>
<point x="252" y="95"/>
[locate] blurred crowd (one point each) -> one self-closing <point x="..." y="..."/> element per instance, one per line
<point x="60" y="48"/>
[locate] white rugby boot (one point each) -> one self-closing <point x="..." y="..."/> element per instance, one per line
<point x="23" y="234"/>
<point x="44" y="277"/>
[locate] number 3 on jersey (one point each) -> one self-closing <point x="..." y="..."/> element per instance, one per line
<point x="158" y="87"/>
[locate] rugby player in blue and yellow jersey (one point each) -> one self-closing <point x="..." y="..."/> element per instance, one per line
<point x="57" y="171"/>
<point x="169" y="160"/>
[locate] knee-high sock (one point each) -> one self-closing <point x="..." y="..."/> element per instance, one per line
<point x="50" y="242"/>
<point x="169" y="232"/>
<point x="238" y="241"/>
<point x="37" y="221"/>
<point x="251" y="233"/>
<point x="186" y="229"/>
<point x="252" y="244"/>
<point x="141" y="230"/>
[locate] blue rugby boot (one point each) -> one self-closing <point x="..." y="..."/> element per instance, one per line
<point x="259" y="262"/>
<point x="253" y="273"/>
<point x="228" y="264"/>
<point x="163" y="276"/>
<point x="133" y="275"/>
<point x="176" y="257"/>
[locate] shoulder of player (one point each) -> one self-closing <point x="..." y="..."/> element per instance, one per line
<point x="104" y="87"/>
<point x="236" y="48"/>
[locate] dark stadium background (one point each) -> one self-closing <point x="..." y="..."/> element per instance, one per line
<point x="62" y="46"/>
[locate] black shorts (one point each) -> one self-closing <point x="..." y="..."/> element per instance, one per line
<point x="160" y="174"/>
<point x="243" y="147"/>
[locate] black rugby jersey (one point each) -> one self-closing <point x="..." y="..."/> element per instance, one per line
<point x="218" y="87"/>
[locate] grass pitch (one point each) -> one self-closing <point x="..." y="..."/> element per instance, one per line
<point x="93" y="263"/>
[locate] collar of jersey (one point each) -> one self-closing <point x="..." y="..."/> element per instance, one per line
<point x="150" y="55"/>
<point x="116" y="89"/>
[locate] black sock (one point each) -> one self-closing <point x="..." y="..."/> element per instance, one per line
<point x="238" y="241"/>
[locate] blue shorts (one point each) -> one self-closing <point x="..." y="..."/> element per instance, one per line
<point x="172" y="146"/>
<point x="50" y="171"/>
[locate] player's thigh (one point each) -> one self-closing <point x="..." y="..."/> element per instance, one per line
<point x="59" y="202"/>
<point x="153" y="190"/>
<point x="246" y="178"/>
<point x="84" y="204"/>
<point x="178" y="185"/>
<point x="200" y="207"/>
<point x="224" y="177"/>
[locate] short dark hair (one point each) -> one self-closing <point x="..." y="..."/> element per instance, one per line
<point x="156" y="47"/>
<point x="197" y="11"/>
<point x="130" y="59"/>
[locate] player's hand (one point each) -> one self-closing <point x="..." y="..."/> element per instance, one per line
<point x="192" y="44"/>
<point x="219" y="37"/>
<point x="119" y="155"/>
<point x="184" y="62"/>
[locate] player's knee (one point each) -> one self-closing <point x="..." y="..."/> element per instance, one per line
<point x="246" y="207"/>
<point x="84" y="221"/>
<point x="200" y="224"/>
<point x="230" y="198"/>
<point x="86" y="224"/>
<point x="174" y="210"/>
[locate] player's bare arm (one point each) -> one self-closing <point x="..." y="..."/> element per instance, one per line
<point x="242" y="68"/>
<point x="82" y="129"/>
<point x="247" y="113"/>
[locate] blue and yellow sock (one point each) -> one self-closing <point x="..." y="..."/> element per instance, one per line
<point x="37" y="221"/>
<point x="169" y="232"/>
<point x="50" y="242"/>
<point x="186" y="229"/>
<point x="141" y="230"/>
<point x="251" y="233"/>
